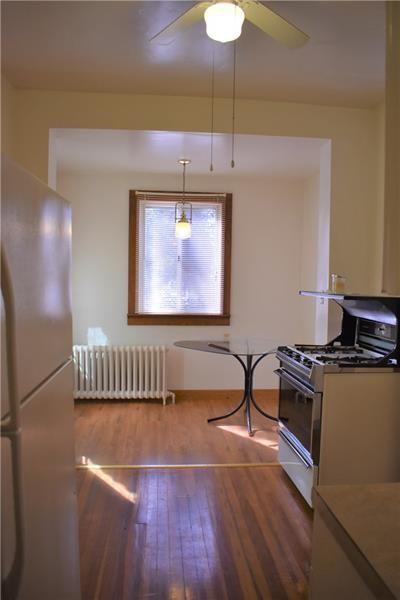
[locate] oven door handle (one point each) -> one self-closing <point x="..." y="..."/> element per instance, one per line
<point x="297" y="452"/>
<point x="295" y="383"/>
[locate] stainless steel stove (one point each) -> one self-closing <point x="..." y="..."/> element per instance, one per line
<point x="335" y="398"/>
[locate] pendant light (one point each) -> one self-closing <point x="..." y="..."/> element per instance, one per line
<point x="183" y="210"/>
<point x="224" y="21"/>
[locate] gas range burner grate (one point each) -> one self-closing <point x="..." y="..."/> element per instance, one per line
<point x="357" y="360"/>
<point x="324" y="350"/>
<point x="341" y="356"/>
<point x="350" y="359"/>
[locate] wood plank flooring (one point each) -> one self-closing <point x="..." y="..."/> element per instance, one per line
<point x="235" y="534"/>
<point x="147" y="433"/>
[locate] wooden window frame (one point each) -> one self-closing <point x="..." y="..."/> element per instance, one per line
<point x="135" y="318"/>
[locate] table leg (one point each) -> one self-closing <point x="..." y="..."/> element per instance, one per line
<point x="230" y="413"/>
<point x="248" y="383"/>
<point x="251" y="392"/>
<point x="264" y="414"/>
<point x="248" y="397"/>
<point x="248" y="419"/>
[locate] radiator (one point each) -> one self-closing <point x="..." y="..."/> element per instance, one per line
<point x="120" y="372"/>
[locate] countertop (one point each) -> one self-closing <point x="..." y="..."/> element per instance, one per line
<point x="365" y="520"/>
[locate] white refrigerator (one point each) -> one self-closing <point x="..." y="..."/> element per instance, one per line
<point x="40" y="553"/>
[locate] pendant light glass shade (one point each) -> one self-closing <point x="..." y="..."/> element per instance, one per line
<point x="183" y="228"/>
<point x="224" y="21"/>
<point x="183" y="210"/>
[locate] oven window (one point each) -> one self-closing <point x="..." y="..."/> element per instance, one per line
<point x="295" y="412"/>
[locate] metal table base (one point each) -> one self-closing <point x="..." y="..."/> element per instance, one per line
<point x="248" y="398"/>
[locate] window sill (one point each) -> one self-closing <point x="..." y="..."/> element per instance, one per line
<point x="136" y="319"/>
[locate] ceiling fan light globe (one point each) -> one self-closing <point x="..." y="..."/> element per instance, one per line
<point x="224" y="21"/>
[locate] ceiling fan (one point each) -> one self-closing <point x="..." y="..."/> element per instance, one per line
<point x="224" y="22"/>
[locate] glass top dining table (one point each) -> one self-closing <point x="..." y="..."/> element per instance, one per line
<point x="245" y="350"/>
<point x="234" y="346"/>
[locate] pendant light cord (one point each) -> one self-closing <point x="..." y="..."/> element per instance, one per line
<point x="212" y="107"/>
<point x="184" y="182"/>
<point x="233" y="105"/>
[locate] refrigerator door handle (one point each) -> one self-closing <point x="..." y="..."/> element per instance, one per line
<point x="11" y="428"/>
<point x="10" y="585"/>
<point x="12" y="422"/>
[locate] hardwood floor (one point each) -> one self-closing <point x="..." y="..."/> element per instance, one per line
<point x="170" y="534"/>
<point x="235" y="534"/>
<point x="147" y="433"/>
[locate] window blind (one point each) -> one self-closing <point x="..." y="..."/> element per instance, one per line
<point x="180" y="277"/>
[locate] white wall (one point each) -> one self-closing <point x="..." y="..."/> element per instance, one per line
<point x="354" y="133"/>
<point x="355" y="229"/>
<point x="266" y="270"/>
<point x="315" y="252"/>
<point x="309" y="256"/>
<point x="328" y="316"/>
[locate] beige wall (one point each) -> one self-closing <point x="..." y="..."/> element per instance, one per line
<point x="267" y="223"/>
<point x="380" y="124"/>
<point x="8" y="117"/>
<point x="391" y="236"/>
<point x="354" y="135"/>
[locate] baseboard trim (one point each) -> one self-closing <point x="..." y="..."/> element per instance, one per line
<point x="261" y="394"/>
<point x="267" y="395"/>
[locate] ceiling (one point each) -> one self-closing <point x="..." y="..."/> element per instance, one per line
<point x="158" y="151"/>
<point x="103" y="47"/>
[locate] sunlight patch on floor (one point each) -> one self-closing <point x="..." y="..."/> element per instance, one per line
<point x="117" y="487"/>
<point x="241" y="431"/>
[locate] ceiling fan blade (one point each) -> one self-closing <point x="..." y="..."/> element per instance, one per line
<point x="187" y="18"/>
<point x="275" y="26"/>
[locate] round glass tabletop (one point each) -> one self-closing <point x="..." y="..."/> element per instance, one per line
<point x="233" y="346"/>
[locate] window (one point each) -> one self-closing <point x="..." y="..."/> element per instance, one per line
<point x="173" y="281"/>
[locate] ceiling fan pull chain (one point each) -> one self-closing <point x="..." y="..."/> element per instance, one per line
<point x="212" y="106"/>
<point x="233" y="104"/>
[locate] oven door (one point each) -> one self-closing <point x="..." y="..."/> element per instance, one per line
<point x="299" y="416"/>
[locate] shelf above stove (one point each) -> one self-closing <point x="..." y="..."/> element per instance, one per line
<point x="346" y="295"/>
<point x="382" y="308"/>
<point x="324" y="294"/>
